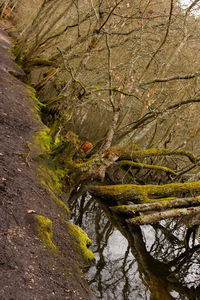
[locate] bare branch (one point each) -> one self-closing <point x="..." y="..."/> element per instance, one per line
<point x="162" y="43"/>
<point x="114" y="89"/>
<point x="109" y="15"/>
<point x="151" y="116"/>
<point x="156" y="217"/>
<point x="109" y="73"/>
<point x="178" y="77"/>
<point x="64" y="30"/>
<point x="131" y="210"/>
<point x="184" y="102"/>
<point x="145" y="166"/>
<point x="76" y="3"/>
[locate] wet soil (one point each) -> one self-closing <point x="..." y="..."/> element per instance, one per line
<point x="27" y="270"/>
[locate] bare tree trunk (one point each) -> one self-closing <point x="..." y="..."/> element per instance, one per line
<point x="111" y="131"/>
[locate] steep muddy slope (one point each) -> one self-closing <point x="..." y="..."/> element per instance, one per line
<point x="29" y="269"/>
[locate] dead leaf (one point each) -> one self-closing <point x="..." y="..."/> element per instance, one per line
<point x="31" y="211"/>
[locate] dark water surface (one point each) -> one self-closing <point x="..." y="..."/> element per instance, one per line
<point x="147" y="262"/>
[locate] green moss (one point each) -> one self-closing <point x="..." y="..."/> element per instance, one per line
<point x="142" y="193"/>
<point x="15" y="49"/>
<point x="154" y="152"/>
<point x="43" y="227"/>
<point x="44" y="140"/>
<point x="50" y="175"/>
<point x="139" y="165"/>
<point x="51" y="180"/>
<point x="162" y="200"/>
<point x="64" y="209"/>
<point x="19" y="67"/>
<point x="81" y="242"/>
<point x="32" y="93"/>
<point x="138" y="220"/>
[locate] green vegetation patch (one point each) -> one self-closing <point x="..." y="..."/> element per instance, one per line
<point x="32" y="93"/>
<point x="81" y="242"/>
<point x="50" y="175"/>
<point x="44" y="140"/>
<point x="43" y="228"/>
<point x="51" y="180"/>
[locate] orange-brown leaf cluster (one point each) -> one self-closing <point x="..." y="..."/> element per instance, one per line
<point x="86" y="146"/>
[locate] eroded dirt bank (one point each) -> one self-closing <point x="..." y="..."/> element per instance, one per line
<point x="27" y="270"/>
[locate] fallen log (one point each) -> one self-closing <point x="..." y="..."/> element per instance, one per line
<point x="158" y="216"/>
<point x="141" y="193"/>
<point x="131" y="210"/>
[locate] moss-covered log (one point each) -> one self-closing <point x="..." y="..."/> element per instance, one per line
<point x="142" y="193"/>
<point x="158" y="216"/>
<point x="131" y="210"/>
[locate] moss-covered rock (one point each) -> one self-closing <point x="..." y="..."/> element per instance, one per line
<point x="42" y="226"/>
<point x="81" y="243"/>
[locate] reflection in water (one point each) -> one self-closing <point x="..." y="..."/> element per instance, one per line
<point x="148" y="262"/>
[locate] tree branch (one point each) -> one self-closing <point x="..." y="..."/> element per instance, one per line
<point x="145" y="166"/>
<point x="167" y="79"/>
<point x="131" y="210"/>
<point x="162" y="43"/>
<point x="141" y="193"/>
<point x="156" y="217"/>
<point x="108" y="17"/>
<point x="155" y="152"/>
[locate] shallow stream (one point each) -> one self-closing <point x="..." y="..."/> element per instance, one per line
<point x="147" y="262"/>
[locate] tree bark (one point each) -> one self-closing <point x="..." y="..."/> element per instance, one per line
<point x="131" y="210"/>
<point x="156" y="217"/>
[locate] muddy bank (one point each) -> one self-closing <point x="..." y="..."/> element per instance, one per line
<point x="29" y="270"/>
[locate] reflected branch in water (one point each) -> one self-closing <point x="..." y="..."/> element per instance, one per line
<point x="138" y="262"/>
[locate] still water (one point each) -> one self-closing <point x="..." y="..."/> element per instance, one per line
<point x="137" y="263"/>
